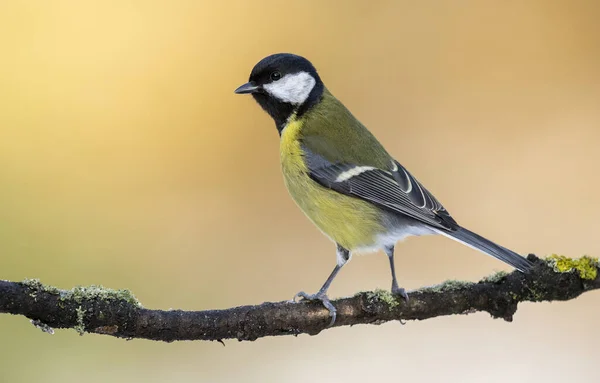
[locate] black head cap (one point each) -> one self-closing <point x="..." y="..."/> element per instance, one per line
<point x="283" y="84"/>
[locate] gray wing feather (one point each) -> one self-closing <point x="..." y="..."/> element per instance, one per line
<point x="398" y="191"/>
<point x="394" y="189"/>
<point x="418" y="194"/>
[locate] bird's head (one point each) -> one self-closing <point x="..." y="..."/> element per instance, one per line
<point x="284" y="84"/>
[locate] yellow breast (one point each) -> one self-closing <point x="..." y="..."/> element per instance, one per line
<point x="349" y="221"/>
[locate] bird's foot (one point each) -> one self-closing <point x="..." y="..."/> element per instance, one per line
<point x="321" y="297"/>
<point x="400" y="291"/>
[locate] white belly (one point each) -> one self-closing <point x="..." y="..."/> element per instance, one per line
<point x="389" y="239"/>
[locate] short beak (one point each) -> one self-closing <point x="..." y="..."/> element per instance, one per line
<point x="249" y="87"/>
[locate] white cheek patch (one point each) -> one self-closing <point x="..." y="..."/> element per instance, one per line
<point x="292" y="88"/>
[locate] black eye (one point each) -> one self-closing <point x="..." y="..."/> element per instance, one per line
<point x="275" y="76"/>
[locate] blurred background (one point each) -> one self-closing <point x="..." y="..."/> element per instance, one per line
<point x="126" y="160"/>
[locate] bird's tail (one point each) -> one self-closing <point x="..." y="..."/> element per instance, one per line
<point x="488" y="247"/>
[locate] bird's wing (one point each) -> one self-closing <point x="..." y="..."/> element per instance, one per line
<point x="394" y="189"/>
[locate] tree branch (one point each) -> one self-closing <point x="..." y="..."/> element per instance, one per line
<point x="117" y="313"/>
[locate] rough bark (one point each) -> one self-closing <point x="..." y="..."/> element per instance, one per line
<point x="117" y="313"/>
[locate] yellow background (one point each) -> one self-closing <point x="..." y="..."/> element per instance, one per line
<point x="126" y="160"/>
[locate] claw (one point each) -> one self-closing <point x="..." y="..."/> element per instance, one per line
<point x="301" y="295"/>
<point x="321" y="297"/>
<point x="400" y="291"/>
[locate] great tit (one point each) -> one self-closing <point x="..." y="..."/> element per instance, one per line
<point x="341" y="176"/>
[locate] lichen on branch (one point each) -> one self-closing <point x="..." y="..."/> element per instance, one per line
<point x="586" y="266"/>
<point x="96" y="309"/>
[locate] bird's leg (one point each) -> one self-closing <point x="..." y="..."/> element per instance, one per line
<point x="395" y="288"/>
<point x="343" y="255"/>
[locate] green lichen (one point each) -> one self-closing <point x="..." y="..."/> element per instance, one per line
<point x="450" y="285"/>
<point x="80" y="326"/>
<point x="495" y="278"/>
<point x="586" y="267"/>
<point x="384" y="296"/>
<point x="42" y="326"/>
<point x="36" y="286"/>
<point x="537" y="293"/>
<point x="81" y="293"/>
<point x="32" y="283"/>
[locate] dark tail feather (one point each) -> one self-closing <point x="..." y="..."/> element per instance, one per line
<point x="486" y="246"/>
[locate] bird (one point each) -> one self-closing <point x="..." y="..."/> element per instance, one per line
<point x="342" y="177"/>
